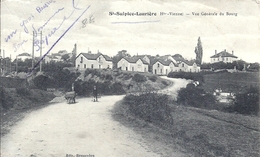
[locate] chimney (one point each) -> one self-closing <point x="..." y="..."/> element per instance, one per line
<point x="215" y="52"/>
<point x="225" y="50"/>
<point x="232" y="52"/>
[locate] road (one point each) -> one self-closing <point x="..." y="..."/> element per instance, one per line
<point x="84" y="128"/>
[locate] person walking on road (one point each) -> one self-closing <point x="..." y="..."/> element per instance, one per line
<point x="95" y="94"/>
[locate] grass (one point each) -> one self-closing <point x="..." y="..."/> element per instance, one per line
<point x="231" y="82"/>
<point x="196" y="132"/>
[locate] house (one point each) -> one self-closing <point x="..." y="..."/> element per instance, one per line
<point x="145" y="57"/>
<point x="24" y="56"/>
<point x="162" y="67"/>
<point x="133" y="64"/>
<point x="93" y="61"/>
<point x="188" y="66"/>
<point x="223" y="56"/>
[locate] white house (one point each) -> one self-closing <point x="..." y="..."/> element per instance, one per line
<point x="144" y="57"/>
<point x="133" y="64"/>
<point x="93" y="61"/>
<point x="24" y="56"/>
<point x="162" y="67"/>
<point x="188" y="66"/>
<point x="223" y="56"/>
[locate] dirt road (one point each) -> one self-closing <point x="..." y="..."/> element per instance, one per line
<point x="84" y="128"/>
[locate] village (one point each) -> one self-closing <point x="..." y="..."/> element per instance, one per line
<point x="158" y="65"/>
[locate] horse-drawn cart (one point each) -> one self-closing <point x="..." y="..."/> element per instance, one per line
<point x="70" y="97"/>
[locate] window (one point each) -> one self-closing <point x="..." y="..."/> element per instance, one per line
<point x="182" y="64"/>
<point x="166" y="71"/>
<point x="158" y="65"/>
<point x="144" y="69"/>
<point x="81" y="59"/>
<point x="126" y="68"/>
<point x="85" y="66"/>
<point x="226" y="58"/>
<point x="99" y="66"/>
<point x="161" y="70"/>
<point x="108" y="66"/>
<point x="132" y="68"/>
<point x="92" y="66"/>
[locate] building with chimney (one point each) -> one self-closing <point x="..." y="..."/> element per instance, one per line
<point x="223" y="56"/>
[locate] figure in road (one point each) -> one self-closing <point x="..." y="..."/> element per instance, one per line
<point x="95" y="94"/>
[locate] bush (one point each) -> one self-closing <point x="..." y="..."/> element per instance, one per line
<point x="85" y="88"/>
<point x="196" y="97"/>
<point x="6" y="100"/>
<point x="150" y="107"/>
<point x="23" y="91"/>
<point x="139" y="78"/>
<point x="187" y="75"/>
<point x="248" y="102"/>
<point x="152" y="78"/>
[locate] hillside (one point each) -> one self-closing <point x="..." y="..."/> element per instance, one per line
<point x="111" y="82"/>
<point x="192" y="131"/>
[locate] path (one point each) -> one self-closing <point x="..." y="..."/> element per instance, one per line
<point x="67" y="130"/>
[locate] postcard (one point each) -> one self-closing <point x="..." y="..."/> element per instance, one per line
<point x="85" y="78"/>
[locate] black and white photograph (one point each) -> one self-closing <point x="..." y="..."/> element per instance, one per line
<point x="130" y="78"/>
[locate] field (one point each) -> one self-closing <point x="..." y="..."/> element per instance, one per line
<point x="231" y="82"/>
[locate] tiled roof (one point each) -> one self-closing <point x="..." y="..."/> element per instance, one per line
<point x="163" y="62"/>
<point x="134" y="59"/>
<point x="223" y="54"/>
<point x="92" y="56"/>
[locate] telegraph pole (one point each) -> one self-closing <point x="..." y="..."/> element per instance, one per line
<point x="35" y="35"/>
<point x="33" y="51"/>
<point x="41" y="53"/>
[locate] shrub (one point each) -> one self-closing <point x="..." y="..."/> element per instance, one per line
<point x="85" y="88"/>
<point x="152" y="78"/>
<point x="150" y="107"/>
<point x="187" y="75"/>
<point x="196" y="97"/>
<point x="139" y="78"/>
<point x="23" y="91"/>
<point x="248" y="102"/>
<point x="6" y="100"/>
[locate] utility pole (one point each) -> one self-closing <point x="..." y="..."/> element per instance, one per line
<point x="41" y="53"/>
<point x="32" y="51"/>
<point x="35" y="35"/>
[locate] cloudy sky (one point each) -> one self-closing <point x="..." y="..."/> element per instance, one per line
<point x="88" y="23"/>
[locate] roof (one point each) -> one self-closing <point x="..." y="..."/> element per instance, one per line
<point x="223" y="54"/>
<point x="92" y="56"/>
<point x="190" y="63"/>
<point x="134" y="59"/>
<point x="163" y="62"/>
<point x="24" y="54"/>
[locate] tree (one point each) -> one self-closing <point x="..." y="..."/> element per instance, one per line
<point x="65" y="57"/>
<point x="199" y="52"/>
<point x="118" y="56"/>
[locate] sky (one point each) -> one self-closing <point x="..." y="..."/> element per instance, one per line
<point x="91" y="26"/>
